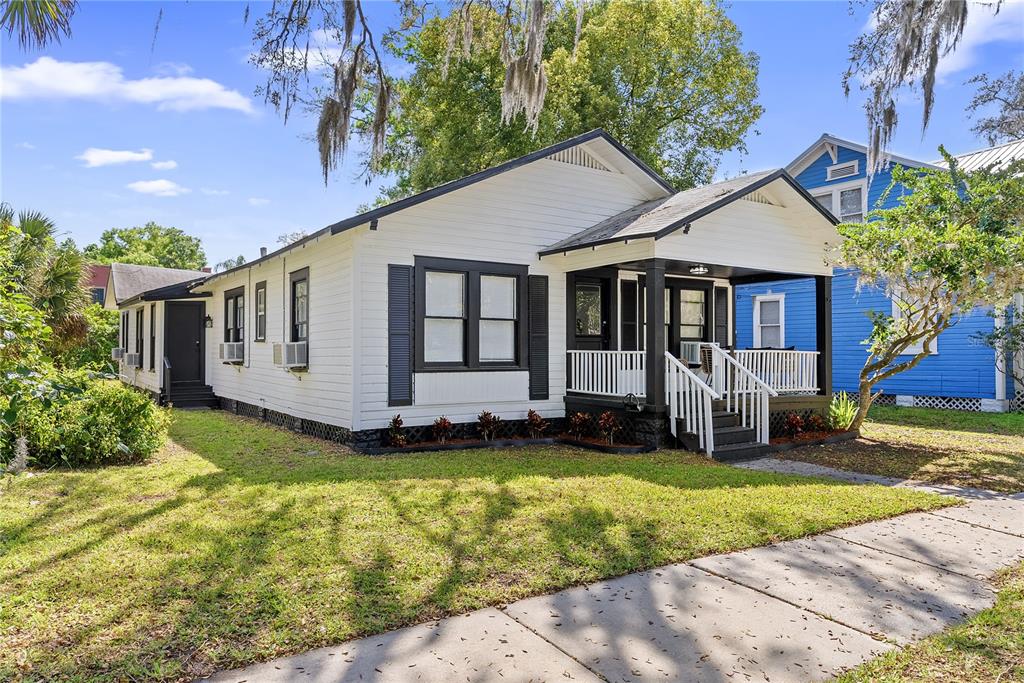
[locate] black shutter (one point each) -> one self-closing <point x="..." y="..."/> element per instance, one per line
<point x="538" y="300"/>
<point x="722" y="316"/>
<point x="400" y="326"/>
<point x="628" y="312"/>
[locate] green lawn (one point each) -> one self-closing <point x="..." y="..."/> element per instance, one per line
<point x="984" y="450"/>
<point x="988" y="647"/>
<point x="240" y="542"/>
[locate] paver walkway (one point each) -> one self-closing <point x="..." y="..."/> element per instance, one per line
<point x="800" y="610"/>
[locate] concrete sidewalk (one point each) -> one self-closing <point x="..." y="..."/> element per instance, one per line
<point x="800" y="610"/>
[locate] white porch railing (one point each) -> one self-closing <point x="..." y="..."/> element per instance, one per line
<point x="607" y="373"/>
<point x="689" y="401"/>
<point x="788" y="372"/>
<point x="743" y="392"/>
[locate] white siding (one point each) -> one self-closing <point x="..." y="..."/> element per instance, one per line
<point x="506" y="219"/>
<point x="143" y="377"/>
<point x="322" y="393"/>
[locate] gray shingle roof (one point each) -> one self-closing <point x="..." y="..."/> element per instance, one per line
<point x="646" y="220"/>
<point x="131" y="280"/>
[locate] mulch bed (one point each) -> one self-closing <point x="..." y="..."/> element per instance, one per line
<point x="592" y="443"/>
<point x="785" y="443"/>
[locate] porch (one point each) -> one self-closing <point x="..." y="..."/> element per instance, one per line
<point x="657" y="338"/>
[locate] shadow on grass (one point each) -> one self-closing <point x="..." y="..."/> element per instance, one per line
<point x="1006" y="424"/>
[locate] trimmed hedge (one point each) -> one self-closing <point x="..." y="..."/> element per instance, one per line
<point x="107" y="423"/>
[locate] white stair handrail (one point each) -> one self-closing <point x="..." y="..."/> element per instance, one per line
<point x="744" y="392"/>
<point x="689" y="400"/>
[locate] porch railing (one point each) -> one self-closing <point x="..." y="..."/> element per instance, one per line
<point x="607" y="373"/>
<point x="689" y="402"/>
<point x="743" y="392"/>
<point x="785" y="371"/>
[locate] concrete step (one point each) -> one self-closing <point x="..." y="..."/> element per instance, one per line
<point x="721" y="418"/>
<point x="737" y="434"/>
<point x="739" y="451"/>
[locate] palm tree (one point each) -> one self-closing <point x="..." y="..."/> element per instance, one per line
<point x="51" y="274"/>
<point x="37" y="23"/>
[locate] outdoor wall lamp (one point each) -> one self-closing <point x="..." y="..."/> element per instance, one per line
<point x="698" y="269"/>
<point x="208" y="320"/>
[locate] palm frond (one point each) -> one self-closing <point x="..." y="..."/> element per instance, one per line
<point x="37" y="23"/>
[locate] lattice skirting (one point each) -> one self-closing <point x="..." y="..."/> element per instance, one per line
<point x="777" y="419"/>
<point x="883" y="400"/>
<point x="944" y="402"/>
<point x="1017" y="404"/>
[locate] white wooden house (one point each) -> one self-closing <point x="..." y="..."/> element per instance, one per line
<point x="573" y="278"/>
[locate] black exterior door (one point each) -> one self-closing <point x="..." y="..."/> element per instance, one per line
<point x="593" y="313"/>
<point x="183" y="340"/>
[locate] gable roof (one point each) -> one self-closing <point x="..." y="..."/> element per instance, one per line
<point x="818" y="148"/>
<point x="998" y="156"/>
<point x="638" y="169"/>
<point x="661" y="217"/>
<point x="130" y="280"/>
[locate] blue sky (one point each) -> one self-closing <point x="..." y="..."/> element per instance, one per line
<point x="240" y="177"/>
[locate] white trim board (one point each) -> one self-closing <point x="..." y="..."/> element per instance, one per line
<point x="757" y="299"/>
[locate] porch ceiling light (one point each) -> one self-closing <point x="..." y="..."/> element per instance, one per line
<point x="698" y="269"/>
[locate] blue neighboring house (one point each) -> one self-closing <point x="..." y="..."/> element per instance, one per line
<point x="960" y="373"/>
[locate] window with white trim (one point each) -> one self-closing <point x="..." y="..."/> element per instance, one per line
<point x="770" y="321"/>
<point x="847" y="203"/>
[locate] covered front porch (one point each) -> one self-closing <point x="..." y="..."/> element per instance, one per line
<point x="651" y="319"/>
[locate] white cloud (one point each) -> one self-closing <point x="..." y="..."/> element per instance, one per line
<point x="25" y="145"/>
<point x="95" y="156"/>
<point x="165" y="165"/>
<point x="173" y="69"/>
<point x="983" y="27"/>
<point x="48" y="78"/>
<point x="258" y="201"/>
<point x="212" y="192"/>
<point x="158" y="188"/>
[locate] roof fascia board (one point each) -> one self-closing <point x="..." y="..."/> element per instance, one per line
<point x="809" y="155"/>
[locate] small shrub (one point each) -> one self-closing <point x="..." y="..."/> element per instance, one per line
<point x="535" y="424"/>
<point x="396" y="437"/>
<point x="488" y="424"/>
<point x="793" y="426"/>
<point x="579" y="425"/>
<point x="608" y="425"/>
<point x="816" y="423"/>
<point x="841" y="411"/>
<point x="443" y="429"/>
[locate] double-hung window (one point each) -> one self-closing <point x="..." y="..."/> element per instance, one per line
<point x="152" y="337"/>
<point x="299" y="306"/>
<point x="261" y="311"/>
<point x="470" y="315"/>
<point x="770" y="321"/>
<point x="139" y="312"/>
<point x="234" y="315"/>
<point x="846" y="203"/>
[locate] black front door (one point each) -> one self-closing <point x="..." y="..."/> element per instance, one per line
<point x="183" y="340"/>
<point x="593" y="313"/>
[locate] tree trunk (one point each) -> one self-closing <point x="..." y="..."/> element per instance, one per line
<point x="866" y="399"/>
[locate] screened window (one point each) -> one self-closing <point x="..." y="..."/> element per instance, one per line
<point x="152" y="337"/>
<point x="469" y="315"/>
<point x="124" y="330"/>
<point x="845" y="204"/>
<point x="444" y="325"/>
<point x="138" y="334"/>
<point x="825" y="200"/>
<point x="234" y="315"/>
<point x="300" y="307"/>
<point x="692" y="305"/>
<point x="261" y="311"/>
<point x="769" y="322"/>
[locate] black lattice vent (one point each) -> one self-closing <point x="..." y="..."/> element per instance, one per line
<point x="248" y="410"/>
<point x="322" y="430"/>
<point x="284" y="420"/>
<point x="227" y="404"/>
<point x="881" y="400"/>
<point x="626" y="423"/>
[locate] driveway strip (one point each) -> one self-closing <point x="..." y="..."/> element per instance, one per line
<point x="801" y="610"/>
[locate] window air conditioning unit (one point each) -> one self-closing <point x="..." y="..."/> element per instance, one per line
<point x="133" y="360"/>
<point x="232" y="352"/>
<point x="291" y="355"/>
<point x="116" y="353"/>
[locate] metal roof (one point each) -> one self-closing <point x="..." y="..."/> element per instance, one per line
<point x="998" y="156"/>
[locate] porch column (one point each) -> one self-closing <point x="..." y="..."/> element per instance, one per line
<point x="654" y="335"/>
<point x="823" y="316"/>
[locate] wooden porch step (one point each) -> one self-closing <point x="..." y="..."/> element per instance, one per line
<point x="722" y="418"/>
<point x="733" y="435"/>
<point x="733" y="452"/>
